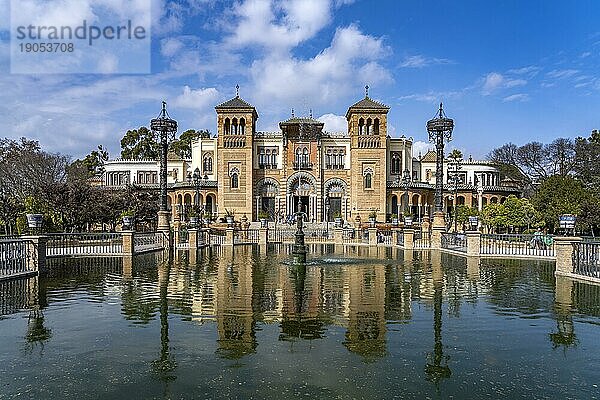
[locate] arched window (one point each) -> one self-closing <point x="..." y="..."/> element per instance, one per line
<point x="376" y="126"/>
<point x="208" y="163"/>
<point x="242" y="126"/>
<point x="361" y="124"/>
<point x="369" y="127"/>
<point x="274" y="159"/>
<point x="396" y="163"/>
<point x="227" y="126"/>
<point x="368" y="181"/>
<point x="368" y="178"/>
<point x="305" y="156"/>
<point x="261" y="157"/>
<point x="234" y="178"/>
<point x="234" y="126"/>
<point x="298" y="155"/>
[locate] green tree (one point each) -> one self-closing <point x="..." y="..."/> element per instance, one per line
<point x="139" y="144"/>
<point x="455" y="155"/>
<point x="183" y="146"/>
<point x="463" y="212"/>
<point x="559" y="195"/>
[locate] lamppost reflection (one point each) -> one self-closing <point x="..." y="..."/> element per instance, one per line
<point x="437" y="368"/>
<point x="165" y="365"/>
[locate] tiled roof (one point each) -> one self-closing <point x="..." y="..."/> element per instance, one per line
<point x="236" y="102"/>
<point x="430" y="156"/>
<point x="302" y="120"/>
<point x="367" y="104"/>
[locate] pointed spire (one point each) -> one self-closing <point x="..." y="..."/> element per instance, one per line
<point x="310" y="113"/>
<point x="237" y="90"/>
<point x="366" y="91"/>
<point x="292" y="113"/>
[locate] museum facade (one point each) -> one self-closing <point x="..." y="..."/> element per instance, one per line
<point x="303" y="167"/>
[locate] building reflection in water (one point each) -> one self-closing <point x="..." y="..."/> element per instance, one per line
<point x="366" y="311"/>
<point x="235" y="320"/>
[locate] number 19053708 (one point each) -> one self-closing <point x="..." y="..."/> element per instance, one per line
<point x="47" y="47"/>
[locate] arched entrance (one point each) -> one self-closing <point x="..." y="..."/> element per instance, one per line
<point x="301" y="194"/>
<point x="335" y="199"/>
<point x="268" y="190"/>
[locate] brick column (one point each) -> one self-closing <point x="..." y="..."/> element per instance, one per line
<point x="37" y="249"/>
<point x="564" y="254"/>
<point x="338" y="235"/>
<point x="128" y="248"/>
<point x="176" y="227"/>
<point x="372" y="236"/>
<point x="229" y="233"/>
<point x="263" y="235"/>
<point x="473" y="243"/>
<point x="409" y="238"/>
<point x="193" y="238"/>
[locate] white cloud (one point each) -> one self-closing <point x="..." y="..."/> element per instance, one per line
<point x="334" y="123"/>
<point x="278" y="25"/>
<point x="170" y="46"/>
<point x="562" y="73"/>
<point x="349" y="62"/>
<point x="434" y="97"/>
<point x="199" y="99"/>
<point x="516" y="97"/>
<point x="495" y="81"/>
<point x="530" y="71"/>
<point x="420" y="61"/>
<point x="421" y="147"/>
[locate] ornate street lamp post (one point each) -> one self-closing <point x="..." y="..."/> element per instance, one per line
<point x="440" y="130"/>
<point x="405" y="183"/>
<point x="165" y="128"/>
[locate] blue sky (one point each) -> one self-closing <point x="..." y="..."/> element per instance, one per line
<point x="507" y="71"/>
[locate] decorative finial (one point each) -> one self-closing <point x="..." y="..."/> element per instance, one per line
<point x="237" y="90"/>
<point x="441" y="109"/>
<point x="366" y="90"/>
<point x="163" y="112"/>
<point x="292" y="113"/>
<point x="310" y="113"/>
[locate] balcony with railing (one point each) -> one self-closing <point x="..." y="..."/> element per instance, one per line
<point x="302" y="165"/>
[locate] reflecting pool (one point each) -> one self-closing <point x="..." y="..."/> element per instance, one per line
<point x="246" y="323"/>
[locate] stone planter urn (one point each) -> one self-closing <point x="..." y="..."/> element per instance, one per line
<point x="372" y="221"/>
<point x="408" y="221"/>
<point x="229" y="220"/>
<point x="194" y="221"/>
<point x="338" y="222"/>
<point x="127" y="221"/>
<point x="34" y="221"/>
<point x="264" y="223"/>
<point x="394" y="221"/>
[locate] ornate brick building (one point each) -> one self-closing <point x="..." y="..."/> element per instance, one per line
<point x="350" y="173"/>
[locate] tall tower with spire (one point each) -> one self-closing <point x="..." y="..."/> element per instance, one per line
<point x="236" y="124"/>
<point x="367" y="127"/>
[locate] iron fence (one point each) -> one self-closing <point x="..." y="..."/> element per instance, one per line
<point x="148" y="241"/>
<point x="246" y="236"/>
<point x="216" y="236"/>
<point x="517" y="245"/>
<point x="586" y="259"/>
<point x="76" y="244"/>
<point x="422" y="240"/>
<point x="454" y="241"/>
<point x="15" y="258"/>
<point x="384" y="237"/>
<point x="400" y="239"/>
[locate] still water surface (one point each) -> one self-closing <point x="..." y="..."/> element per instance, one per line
<point x="243" y="323"/>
